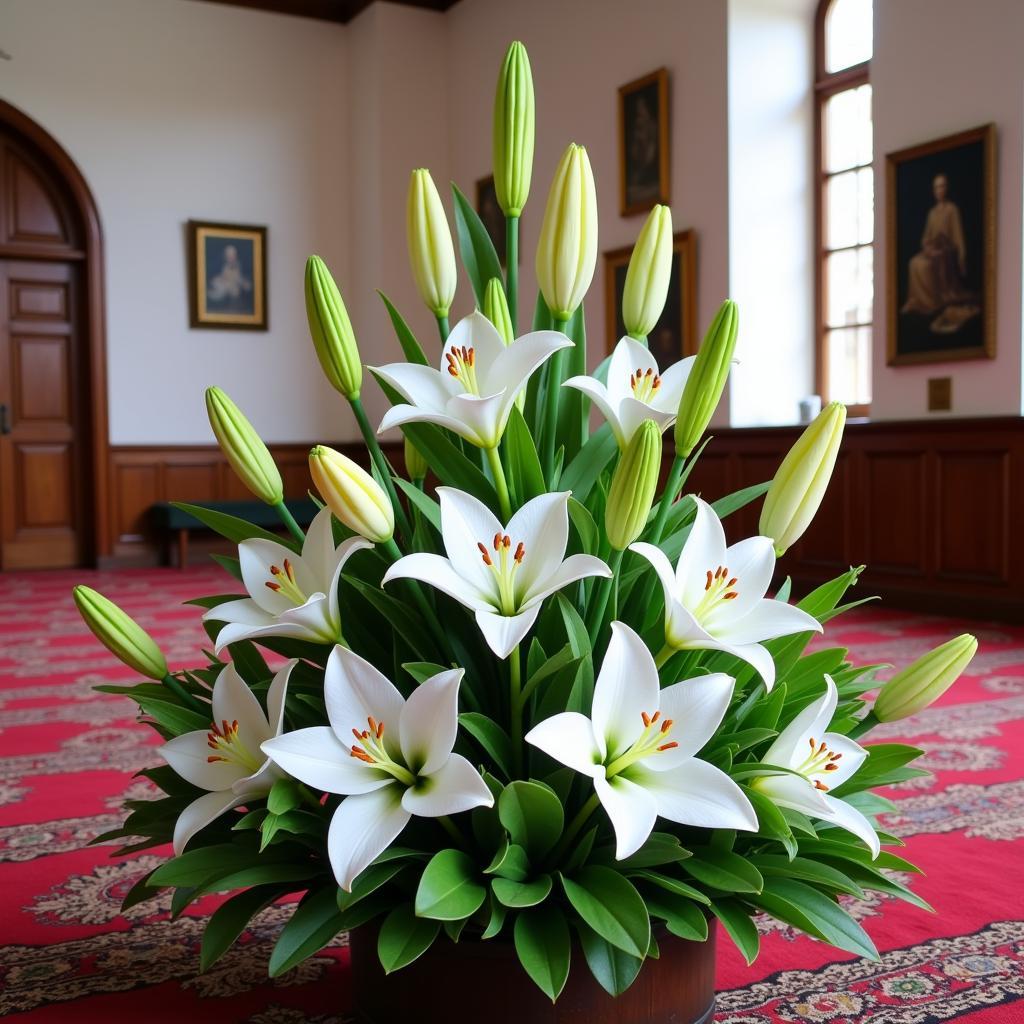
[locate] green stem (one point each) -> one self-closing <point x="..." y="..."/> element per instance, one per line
<point x="515" y="693"/>
<point x="664" y="654"/>
<point x="675" y="475"/>
<point x="600" y="605"/>
<point x="640" y="339"/>
<point x="512" y="269"/>
<point x="381" y="464"/>
<point x="183" y="695"/>
<point x="554" y="384"/>
<point x="866" y="724"/>
<point x="442" y="326"/>
<point x="494" y="461"/>
<point x="289" y="520"/>
<point x="575" y="825"/>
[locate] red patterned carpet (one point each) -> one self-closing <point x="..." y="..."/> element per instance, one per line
<point x="68" y="754"/>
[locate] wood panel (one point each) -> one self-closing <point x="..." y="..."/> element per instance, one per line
<point x="895" y="479"/>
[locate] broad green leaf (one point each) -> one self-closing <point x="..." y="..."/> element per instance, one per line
<point x="580" y="475"/>
<point x="404" y="937"/>
<point x="671" y="885"/>
<point x="807" y="870"/>
<point x="524" y="470"/>
<point x="491" y="737"/>
<point x="737" y="922"/>
<point x="368" y="882"/>
<point x="411" y="348"/>
<point x="429" y="508"/>
<point x="449" y="889"/>
<point x="660" y="848"/>
<point x="533" y="816"/>
<point x="609" y="903"/>
<point x="522" y="894"/>
<point x="544" y="948"/>
<point x="475" y="246"/>
<point x="310" y="928"/>
<point x="228" y="921"/>
<point x="726" y="871"/>
<point x="681" y="915"/>
<point x="613" y="969"/>
<point x="231" y="527"/>
<point x="283" y="796"/>
<point x="583" y="521"/>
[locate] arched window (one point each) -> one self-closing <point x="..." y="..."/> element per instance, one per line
<point x="845" y="202"/>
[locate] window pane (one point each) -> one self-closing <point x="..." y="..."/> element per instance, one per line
<point x="849" y="287"/>
<point x="849" y="365"/>
<point x="850" y="209"/>
<point x="848" y="129"/>
<point x="848" y="34"/>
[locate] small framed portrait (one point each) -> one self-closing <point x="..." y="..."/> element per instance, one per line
<point x="228" y="276"/>
<point x="644" y="143"/>
<point x="675" y="335"/>
<point x="941" y="226"/>
<point x="491" y="215"/>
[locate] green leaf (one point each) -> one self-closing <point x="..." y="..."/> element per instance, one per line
<point x="228" y="921"/>
<point x="613" y="969"/>
<point x="497" y="919"/>
<point x="231" y="527"/>
<point x="672" y="885"/>
<point x="586" y="527"/>
<point x="368" y="882"/>
<point x="808" y="870"/>
<point x="610" y="904"/>
<point x="575" y="629"/>
<point x="475" y="246"/>
<point x="681" y="915"/>
<point x="173" y="717"/>
<point x="660" y="848"/>
<point x="409" y="622"/>
<point x="522" y="894"/>
<point x="726" y="871"/>
<point x="580" y="475"/>
<point x="448" y="889"/>
<point x="428" y="507"/>
<point x="404" y="937"/>
<point x="310" y="928"/>
<point x="283" y="796"/>
<point x="524" y="470"/>
<point x="882" y="767"/>
<point x="533" y="816"/>
<point x="544" y="948"/>
<point x="194" y="867"/>
<point x="491" y="737"/>
<point x="510" y="861"/>
<point x="411" y="348"/>
<point x="737" y="922"/>
<point x="771" y="821"/>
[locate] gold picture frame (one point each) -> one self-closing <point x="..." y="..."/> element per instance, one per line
<point x="940" y="221"/>
<point x="644" y="143"/>
<point x="675" y="335"/>
<point x="227" y="276"/>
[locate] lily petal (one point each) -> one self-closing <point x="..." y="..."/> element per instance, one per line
<point x="633" y="412"/>
<point x="628" y="356"/>
<point x="765" y="621"/>
<point x="673" y="381"/>
<point x="316" y="757"/>
<point x="752" y="562"/>
<point x="598" y="394"/>
<point x="256" y="557"/>
<point x="704" y="550"/>
<point x="794" y="792"/>
<point x="345" y="550"/>
<point x="276" y="696"/>
<point x="853" y="756"/>
<point x="455" y="787"/>
<point x="697" y="793"/>
<point x="245" y="611"/>
<point x="575" y="567"/>
<point x="198" y="814"/>
<point x="234" y="701"/>
<point x="661" y="565"/>
<point x="466" y="522"/>
<point x="439" y="573"/>
<point x="696" y="707"/>
<point x="517" y="362"/>
<point x="483" y="417"/>
<point x="188" y="754"/>
<point x="355" y="691"/>
<point x="429" y="722"/>
<point x="542" y="526"/>
<point x="504" y="632"/>
<point x="233" y="632"/>
<point x="398" y="415"/>
<point x="569" y="738"/>
<point x="790" y="746"/>
<point x="632" y="810"/>
<point x="421" y="386"/>
<point x="362" y="828"/>
<point x="627" y="687"/>
<point x="478" y="333"/>
<point x="852" y="820"/>
<point x="318" y="550"/>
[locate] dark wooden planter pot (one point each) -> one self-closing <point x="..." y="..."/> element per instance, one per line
<point x="482" y="981"/>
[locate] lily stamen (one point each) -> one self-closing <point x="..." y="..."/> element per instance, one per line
<point x="369" y="748"/>
<point x="644" y="384"/>
<point x="462" y="366"/>
<point x="647" y="743"/>
<point x="718" y="586"/>
<point x="505" y="568"/>
<point x="284" y="583"/>
<point x="229" y="748"/>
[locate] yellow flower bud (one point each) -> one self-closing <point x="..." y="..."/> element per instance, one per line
<point x="352" y="494"/>
<point x="431" y="253"/>
<point x="800" y="482"/>
<point x="927" y="679"/>
<point x="120" y="633"/>
<point x="567" y="249"/>
<point x="331" y="330"/>
<point x="415" y="465"/>
<point x="496" y="309"/>
<point x="634" y="482"/>
<point x="513" y="131"/>
<point x="648" y="274"/>
<point x="243" y="448"/>
<point x="707" y="379"/>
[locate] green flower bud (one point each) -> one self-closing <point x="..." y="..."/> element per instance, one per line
<point x="649" y="274"/>
<point x="243" y="448"/>
<point x="331" y="330"/>
<point x="634" y="482"/>
<point x="513" y="131"/>
<point x="431" y="253"/>
<point x="927" y="679"/>
<point x="800" y="483"/>
<point x="567" y="249"/>
<point x="415" y="465"/>
<point x="120" y="633"/>
<point x="355" y="498"/>
<point x="496" y="309"/>
<point x="707" y="379"/>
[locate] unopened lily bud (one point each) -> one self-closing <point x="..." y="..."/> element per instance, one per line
<point x="415" y="465"/>
<point x="796" y="492"/>
<point x="513" y="131"/>
<point x="634" y="482"/>
<point x="120" y="634"/>
<point x="354" y="497"/>
<point x="243" y="448"/>
<point x="567" y="249"/>
<point x="496" y="309"/>
<point x="649" y="274"/>
<point x="706" y="382"/>
<point x="431" y="253"/>
<point x="331" y="330"/>
<point x="927" y="679"/>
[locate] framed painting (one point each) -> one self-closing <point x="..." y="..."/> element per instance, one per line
<point x="675" y="334"/>
<point x="491" y="215"/>
<point x="227" y="276"/>
<point x="940" y="228"/>
<point x="644" y="144"/>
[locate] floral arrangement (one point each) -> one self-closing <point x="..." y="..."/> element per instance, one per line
<point x="545" y="702"/>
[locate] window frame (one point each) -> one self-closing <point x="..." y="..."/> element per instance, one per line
<point x="826" y="85"/>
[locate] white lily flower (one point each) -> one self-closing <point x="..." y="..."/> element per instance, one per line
<point x="640" y="743"/>
<point x="502" y="573"/>
<point x="636" y="390"/>
<point x="480" y="377"/>
<point x="823" y="760"/>
<point x="226" y="761"/>
<point x="290" y="595"/>
<point x="400" y="764"/>
<point x="714" y="599"/>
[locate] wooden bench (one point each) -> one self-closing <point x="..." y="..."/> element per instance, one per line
<point x="169" y="520"/>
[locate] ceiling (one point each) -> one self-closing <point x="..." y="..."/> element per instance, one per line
<point x="339" y="11"/>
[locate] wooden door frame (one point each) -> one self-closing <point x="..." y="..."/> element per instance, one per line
<point x="93" y="321"/>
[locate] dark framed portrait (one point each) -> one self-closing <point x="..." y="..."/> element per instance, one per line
<point x="491" y="215"/>
<point x="227" y="276"/>
<point x="675" y="334"/>
<point x="644" y="143"/>
<point x="941" y="225"/>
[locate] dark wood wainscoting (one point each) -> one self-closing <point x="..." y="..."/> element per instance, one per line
<point x="929" y="506"/>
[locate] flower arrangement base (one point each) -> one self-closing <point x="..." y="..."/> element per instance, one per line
<point x="482" y="981"/>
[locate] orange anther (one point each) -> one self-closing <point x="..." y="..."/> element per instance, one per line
<point x="666" y="725"/>
<point x="520" y="552"/>
<point x="646" y="718"/>
<point x="668" y="746"/>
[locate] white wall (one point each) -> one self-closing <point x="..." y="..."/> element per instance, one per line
<point x="176" y="109"/>
<point x="771" y="215"/>
<point x="941" y="67"/>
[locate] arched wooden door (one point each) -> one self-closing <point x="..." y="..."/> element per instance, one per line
<point x="48" y="391"/>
